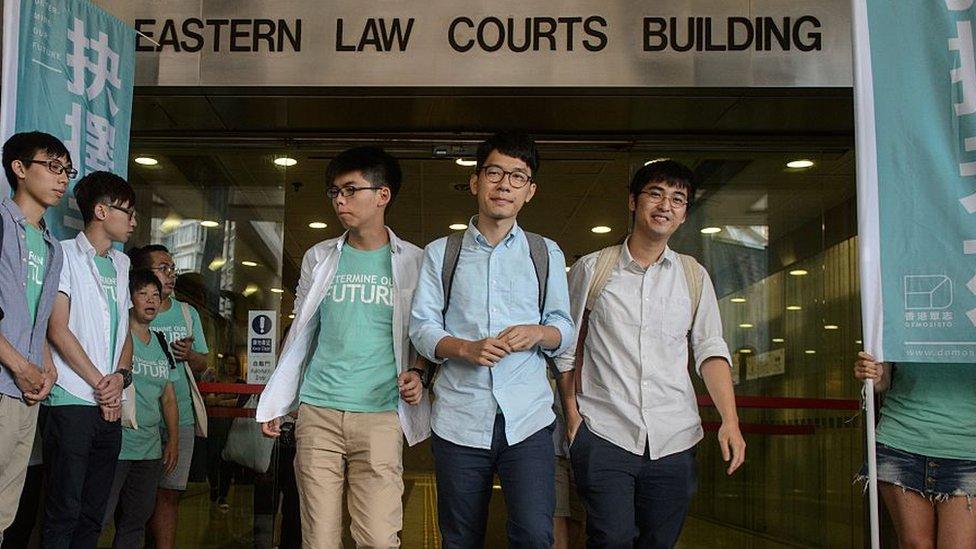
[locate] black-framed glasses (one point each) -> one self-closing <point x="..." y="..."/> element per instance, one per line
<point x="656" y="197"/>
<point x="516" y="178"/>
<point x="131" y="212"/>
<point x="347" y="191"/>
<point x="165" y="268"/>
<point x="55" y="167"/>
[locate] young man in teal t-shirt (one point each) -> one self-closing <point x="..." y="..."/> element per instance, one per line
<point x="351" y="308"/>
<point x="92" y="350"/>
<point x="37" y="166"/>
<point x="188" y="347"/>
<point x="143" y="457"/>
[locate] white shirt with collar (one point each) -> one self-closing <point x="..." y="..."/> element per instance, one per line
<point x="636" y="387"/>
<point x="280" y="395"/>
<point x="89" y="318"/>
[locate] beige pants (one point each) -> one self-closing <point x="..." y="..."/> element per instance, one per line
<point x="17" y="424"/>
<point x="366" y="450"/>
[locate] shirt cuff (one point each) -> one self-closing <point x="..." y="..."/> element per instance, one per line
<point x="427" y="344"/>
<point x="566" y="333"/>
<point x="713" y="347"/>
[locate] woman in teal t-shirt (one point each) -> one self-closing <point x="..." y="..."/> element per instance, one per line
<point x="143" y="458"/>
<point x="926" y="448"/>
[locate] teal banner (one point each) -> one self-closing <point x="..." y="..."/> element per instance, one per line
<point x="916" y="111"/>
<point x="75" y="68"/>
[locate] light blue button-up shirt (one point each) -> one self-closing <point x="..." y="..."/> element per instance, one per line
<point x="493" y="288"/>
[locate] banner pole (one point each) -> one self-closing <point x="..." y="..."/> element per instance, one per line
<point x="872" y="459"/>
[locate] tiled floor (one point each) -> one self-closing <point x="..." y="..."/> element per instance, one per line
<point x="204" y="525"/>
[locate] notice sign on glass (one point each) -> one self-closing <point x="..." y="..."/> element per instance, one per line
<point x="262" y="337"/>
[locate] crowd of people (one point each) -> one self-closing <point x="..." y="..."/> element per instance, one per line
<point x="573" y="388"/>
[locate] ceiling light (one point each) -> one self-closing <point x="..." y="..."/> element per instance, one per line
<point x="249" y="263"/>
<point x="778" y="340"/>
<point x="146" y="161"/>
<point x="457" y="226"/>
<point x="799" y="272"/>
<point x="220" y="355"/>
<point x="711" y="230"/>
<point x="466" y="163"/>
<point x="209" y="224"/>
<point x="857" y="342"/>
<point x="567" y="269"/>
<point x="745" y="325"/>
<point x="285" y="161"/>
<point x="745" y="351"/>
<point x="800" y="164"/>
<point x="793" y="308"/>
<point x="277" y="291"/>
<point x="217" y="263"/>
<point x="810" y="352"/>
<point x="317" y="225"/>
<point x="601" y="229"/>
<point x="831" y="327"/>
<point x="649" y="162"/>
<point x="250" y="290"/>
<point x="291" y="315"/>
<point x="738" y="300"/>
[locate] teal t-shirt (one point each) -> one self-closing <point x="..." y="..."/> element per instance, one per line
<point x="173" y="326"/>
<point x="354" y="368"/>
<point x="930" y="409"/>
<point x="109" y="280"/>
<point x="36" y="260"/>
<point x="150" y="375"/>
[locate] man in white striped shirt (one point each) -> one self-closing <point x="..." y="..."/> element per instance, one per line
<point x="631" y="411"/>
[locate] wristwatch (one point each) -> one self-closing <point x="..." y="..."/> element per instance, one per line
<point x="126" y="377"/>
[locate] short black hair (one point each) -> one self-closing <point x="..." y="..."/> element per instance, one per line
<point x="23" y="146"/>
<point x="141" y="258"/>
<point x="377" y="166"/>
<point x="515" y="144"/>
<point x="140" y="278"/>
<point x="667" y="171"/>
<point x="102" y="187"/>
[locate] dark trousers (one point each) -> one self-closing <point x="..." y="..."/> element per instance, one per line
<point x="631" y="500"/>
<point x="279" y="482"/>
<point x="465" y="475"/>
<point x="18" y="534"/>
<point x="132" y="500"/>
<point x="80" y="452"/>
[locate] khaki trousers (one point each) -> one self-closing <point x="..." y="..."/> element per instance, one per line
<point x="17" y="424"/>
<point x="365" y="449"/>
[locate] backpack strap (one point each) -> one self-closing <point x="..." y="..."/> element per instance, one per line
<point x="452" y="251"/>
<point x="187" y="318"/>
<point x="162" y="343"/>
<point x="606" y="260"/>
<point x="693" y="277"/>
<point x="539" y="252"/>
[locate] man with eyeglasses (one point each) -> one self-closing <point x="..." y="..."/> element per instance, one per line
<point x="347" y="365"/>
<point x="37" y="166"/>
<point x="180" y="324"/>
<point x="92" y="350"/>
<point x="490" y="329"/>
<point x="631" y="411"/>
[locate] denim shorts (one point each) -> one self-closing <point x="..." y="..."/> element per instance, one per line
<point x="937" y="479"/>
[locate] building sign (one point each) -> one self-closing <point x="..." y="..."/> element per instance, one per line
<point x="262" y="338"/>
<point x="916" y="139"/>
<point x="498" y="43"/>
<point x="68" y="70"/>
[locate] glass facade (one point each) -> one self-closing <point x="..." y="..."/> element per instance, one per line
<point x="779" y="243"/>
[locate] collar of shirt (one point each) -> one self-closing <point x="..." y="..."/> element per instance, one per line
<point x="86" y="248"/>
<point x="473" y="237"/>
<point x="396" y="245"/>
<point x="627" y="261"/>
<point x="21" y="219"/>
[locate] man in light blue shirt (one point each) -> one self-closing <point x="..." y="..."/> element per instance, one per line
<point x="491" y="335"/>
